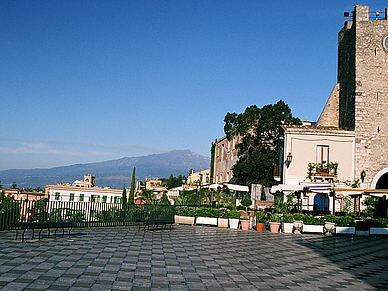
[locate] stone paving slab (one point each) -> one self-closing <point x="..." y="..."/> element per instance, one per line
<point x="193" y="258"/>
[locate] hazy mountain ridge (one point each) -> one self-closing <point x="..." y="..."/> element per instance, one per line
<point x="112" y="173"/>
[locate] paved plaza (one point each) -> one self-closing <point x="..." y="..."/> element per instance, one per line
<point x="193" y="258"/>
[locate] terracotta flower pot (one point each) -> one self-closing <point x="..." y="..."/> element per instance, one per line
<point x="259" y="226"/>
<point x="274" y="226"/>
<point x="244" y="224"/>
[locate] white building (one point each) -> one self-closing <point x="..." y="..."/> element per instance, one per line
<point x="83" y="191"/>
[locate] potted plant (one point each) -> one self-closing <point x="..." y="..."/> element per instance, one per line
<point x="245" y="223"/>
<point x="287" y="223"/>
<point x="207" y="216"/>
<point x="223" y="220"/>
<point x="260" y="222"/>
<point x="379" y="226"/>
<point x="274" y="222"/>
<point x="185" y="215"/>
<point x="246" y="203"/>
<point x="312" y="224"/>
<point x="234" y="218"/>
<point x="345" y="225"/>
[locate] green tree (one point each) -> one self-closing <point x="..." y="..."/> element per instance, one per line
<point x="147" y="195"/>
<point x="164" y="199"/>
<point x="259" y="130"/>
<point x="131" y="199"/>
<point x="172" y="181"/>
<point x="14" y="186"/>
<point x="124" y="196"/>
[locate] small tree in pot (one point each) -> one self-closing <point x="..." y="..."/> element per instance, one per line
<point x="246" y="202"/>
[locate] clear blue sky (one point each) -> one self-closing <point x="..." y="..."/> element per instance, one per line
<point x="88" y="81"/>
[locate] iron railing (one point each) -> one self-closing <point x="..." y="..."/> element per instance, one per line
<point x="83" y="214"/>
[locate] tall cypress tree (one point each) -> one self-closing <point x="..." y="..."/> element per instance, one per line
<point x="132" y="191"/>
<point x="124" y="196"/>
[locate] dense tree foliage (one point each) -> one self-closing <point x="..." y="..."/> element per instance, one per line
<point x="259" y="131"/>
<point x="172" y="181"/>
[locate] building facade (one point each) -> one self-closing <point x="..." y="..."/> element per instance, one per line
<point x="226" y="156"/>
<point x="363" y="97"/>
<point x="352" y="130"/>
<point x="83" y="191"/>
<point x="201" y="177"/>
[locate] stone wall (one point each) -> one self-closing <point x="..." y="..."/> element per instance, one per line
<point x="363" y="77"/>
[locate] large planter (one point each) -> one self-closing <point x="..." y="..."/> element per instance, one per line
<point x="206" y="220"/>
<point x="274" y="227"/>
<point x="245" y="224"/>
<point x="233" y="223"/>
<point x="312" y="228"/>
<point x="260" y="226"/>
<point x="378" y="230"/>
<point x="223" y="222"/>
<point x="287" y="227"/>
<point x="345" y="230"/>
<point x="184" y="220"/>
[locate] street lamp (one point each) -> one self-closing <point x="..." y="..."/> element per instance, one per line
<point x="288" y="160"/>
<point x="199" y="192"/>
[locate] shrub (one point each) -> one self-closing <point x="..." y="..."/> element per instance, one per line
<point x="379" y="222"/>
<point x="223" y="212"/>
<point x="185" y="211"/>
<point x="274" y="217"/>
<point x="206" y="212"/>
<point x="330" y="218"/>
<point x="344" y="221"/>
<point x="298" y="216"/>
<point x="287" y="218"/>
<point x="311" y="220"/>
<point x="240" y="207"/>
<point x="234" y="214"/>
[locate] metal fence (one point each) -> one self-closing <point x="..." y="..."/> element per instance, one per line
<point x="83" y="214"/>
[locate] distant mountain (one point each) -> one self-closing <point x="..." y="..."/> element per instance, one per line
<point x="113" y="173"/>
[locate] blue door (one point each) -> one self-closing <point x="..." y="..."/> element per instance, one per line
<point x="321" y="203"/>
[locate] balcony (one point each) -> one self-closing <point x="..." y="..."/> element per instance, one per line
<point x="322" y="172"/>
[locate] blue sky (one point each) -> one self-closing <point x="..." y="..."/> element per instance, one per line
<point x="88" y="81"/>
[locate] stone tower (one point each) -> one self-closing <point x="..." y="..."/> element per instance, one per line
<point x="363" y="97"/>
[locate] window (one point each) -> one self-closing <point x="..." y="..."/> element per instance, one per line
<point x="322" y="155"/>
<point x="71" y="196"/>
<point x="81" y="197"/>
<point x="57" y="195"/>
<point x="104" y="199"/>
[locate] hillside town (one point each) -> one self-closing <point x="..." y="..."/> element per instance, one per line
<point x="271" y="174"/>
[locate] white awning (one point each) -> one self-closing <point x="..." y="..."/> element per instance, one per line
<point x="286" y="188"/>
<point x="233" y="187"/>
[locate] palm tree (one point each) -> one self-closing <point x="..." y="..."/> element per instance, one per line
<point x="146" y="195"/>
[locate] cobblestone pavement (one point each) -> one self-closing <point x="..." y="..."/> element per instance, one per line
<point x="193" y="258"/>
